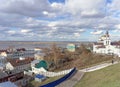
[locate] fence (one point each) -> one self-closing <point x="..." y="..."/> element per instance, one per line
<point x="55" y="83"/>
<point x="52" y="74"/>
<point x="47" y="73"/>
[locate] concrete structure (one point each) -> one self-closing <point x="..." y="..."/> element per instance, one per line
<point x="105" y="46"/>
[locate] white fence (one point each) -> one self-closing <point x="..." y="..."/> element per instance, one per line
<point x="46" y="73"/>
<point x="52" y="74"/>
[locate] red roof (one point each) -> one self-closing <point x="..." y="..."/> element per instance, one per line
<point x="21" y="49"/>
<point x="4" y="51"/>
<point x="98" y="43"/>
<point x="8" y="51"/>
<point x="102" y="46"/>
<point x="17" y="62"/>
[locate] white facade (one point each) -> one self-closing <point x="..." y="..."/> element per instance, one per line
<point x="18" y="64"/>
<point x="38" y="70"/>
<point x="9" y="66"/>
<point x="105" y="46"/>
<point x="39" y="54"/>
<point x="27" y="53"/>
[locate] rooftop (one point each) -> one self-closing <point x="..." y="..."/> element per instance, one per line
<point x="18" y="62"/>
<point x="7" y="84"/>
<point x="41" y="64"/>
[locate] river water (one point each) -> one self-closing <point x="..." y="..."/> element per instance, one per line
<point x="31" y="45"/>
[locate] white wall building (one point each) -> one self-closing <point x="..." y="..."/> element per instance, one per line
<point x="105" y="46"/>
<point x="39" y="54"/>
<point x="17" y="64"/>
<point x="22" y="52"/>
<point x="71" y="47"/>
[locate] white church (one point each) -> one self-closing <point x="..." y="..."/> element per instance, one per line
<point x="105" y="46"/>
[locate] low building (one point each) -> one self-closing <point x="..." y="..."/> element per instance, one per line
<point x="41" y="66"/>
<point x="39" y="78"/>
<point x="3" y="76"/>
<point x="11" y="76"/>
<point x="39" y="54"/>
<point x="19" y="64"/>
<point x="18" y="77"/>
<point x="16" y="53"/>
<point x="71" y="47"/>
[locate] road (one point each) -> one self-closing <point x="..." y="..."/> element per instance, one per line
<point x="97" y="67"/>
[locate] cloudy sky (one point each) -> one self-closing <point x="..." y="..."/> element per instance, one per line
<point x="59" y="20"/>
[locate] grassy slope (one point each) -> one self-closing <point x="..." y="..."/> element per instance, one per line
<point x="107" y="77"/>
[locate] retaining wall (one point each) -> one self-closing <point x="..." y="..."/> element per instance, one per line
<point x="55" y="83"/>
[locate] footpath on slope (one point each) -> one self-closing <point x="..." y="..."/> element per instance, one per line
<point x="97" y="67"/>
<point x="72" y="80"/>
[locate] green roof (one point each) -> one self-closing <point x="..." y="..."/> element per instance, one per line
<point x="41" y="64"/>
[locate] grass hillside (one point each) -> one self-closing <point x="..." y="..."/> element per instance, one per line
<point x="106" y="77"/>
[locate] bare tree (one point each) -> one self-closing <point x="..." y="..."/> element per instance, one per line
<point x="56" y="53"/>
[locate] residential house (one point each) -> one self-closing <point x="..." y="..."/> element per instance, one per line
<point x="11" y="76"/>
<point x="39" y="54"/>
<point x="19" y="64"/>
<point x="39" y="78"/>
<point x="38" y="67"/>
<point x="16" y="53"/>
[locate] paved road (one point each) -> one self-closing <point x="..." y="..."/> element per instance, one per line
<point x="73" y="80"/>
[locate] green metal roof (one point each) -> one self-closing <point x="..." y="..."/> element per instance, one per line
<point x="42" y="64"/>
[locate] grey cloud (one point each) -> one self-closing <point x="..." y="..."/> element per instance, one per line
<point x="32" y="8"/>
<point x="86" y="8"/>
<point x="68" y="20"/>
<point x="25" y="7"/>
